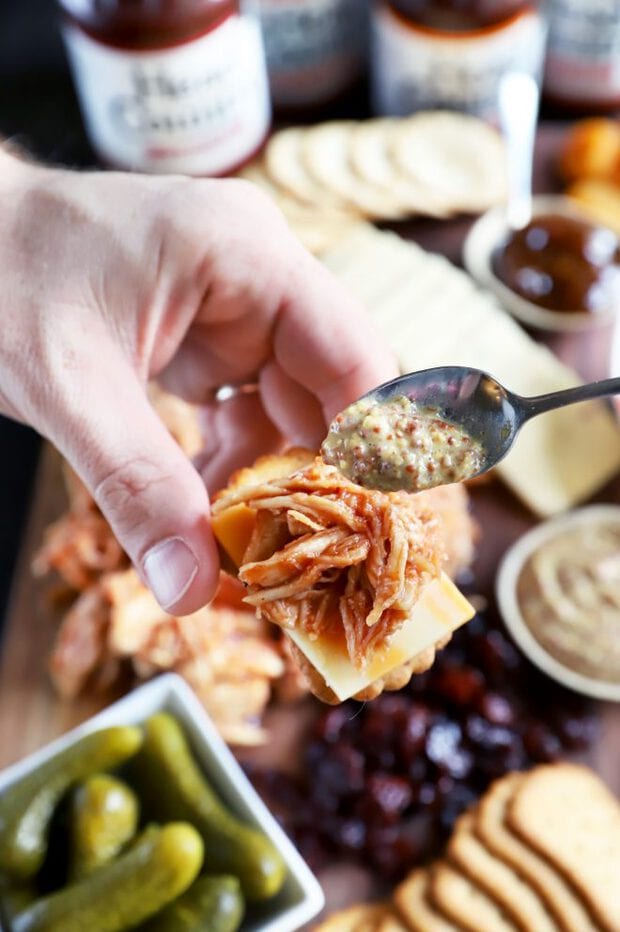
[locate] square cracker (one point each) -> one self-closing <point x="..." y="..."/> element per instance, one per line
<point x="568" y="815"/>
<point x="464" y="902"/>
<point x="411" y="900"/>
<point x="490" y="825"/>
<point x="501" y="883"/>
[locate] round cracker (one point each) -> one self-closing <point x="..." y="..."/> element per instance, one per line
<point x="456" y="157"/>
<point x="318" y="230"/>
<point x="371" y="159"/>
<point x="326" y="153"/>
<point x="356" y="918"/>
<point x="285" y="165"/>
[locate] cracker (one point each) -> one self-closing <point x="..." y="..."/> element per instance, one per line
<point x="358" y="918"/>
<point x="561" y="900"/>
<point x="460" y="159"/>
<point x="568" y="815"/>
<point x="411" y="900"/>
<point x="319" y="229"/>
<point x="457" y="897"/>
<point x="497" y="879"/>
<point x="390" y="922"/>
<point x="326" y="154"/>
<point x="370" y="155"/>
<point x="285" y="166"/>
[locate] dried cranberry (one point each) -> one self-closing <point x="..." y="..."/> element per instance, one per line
<point x="541" y="743"/>
<point x="348" y="834"/>
<point x="418" y="769"/>
<point x="413" y="735"/>
<point x="496" y="655"/>
<point x="577" y="732"/>
<point x="427" y="794"/>
<point x="394" y="849"/>
<point x="339" y="773"/>
<point x="461" y="685"/>
<point x="443" y="739"/>
<point x="486" y="736"/>
<point x="389" y="795"/>
<point x="460" y="798"/>
<point x="332" y="723"/>
<point x="496" y="709"/>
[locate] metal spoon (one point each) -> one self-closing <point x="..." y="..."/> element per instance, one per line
<point x="480" y="407"/>
<point x="518" y="113"/>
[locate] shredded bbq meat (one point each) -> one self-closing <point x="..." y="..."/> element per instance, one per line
<point x="328" y="554"/>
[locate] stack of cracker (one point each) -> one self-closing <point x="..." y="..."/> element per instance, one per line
<point x="330" y="177"/>
<point x="539" y="853"/>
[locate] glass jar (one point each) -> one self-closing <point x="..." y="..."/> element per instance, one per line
<point x="169" y="85"/>
<point x="582" y="69"/>
<point x="316" y="49"/>
<point x="450" y="54"/>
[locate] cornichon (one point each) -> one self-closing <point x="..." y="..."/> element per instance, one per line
<point x="160" y="866"/>
<point x="212" y="904"/>
<point x="103" y="818"/>
<point x="172" y="786"/>
<point x="26" y="808"/>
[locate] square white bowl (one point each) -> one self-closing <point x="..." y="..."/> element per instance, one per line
<point x="301" y="898"/>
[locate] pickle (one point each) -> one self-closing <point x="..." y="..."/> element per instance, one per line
<point x="160" y="866"/>
<point x="27" y="807"/>
<point x="103" y="818"/>
<point x="13" y="899"/>
<point x="212" y="904"/>
<point x="172" y="786"/>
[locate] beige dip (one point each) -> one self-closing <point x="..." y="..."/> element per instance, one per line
<point x="569" y="595"/>
<point x="397" y="444"/>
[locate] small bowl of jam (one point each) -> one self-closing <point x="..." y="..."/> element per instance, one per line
<point x="559" y="272"/>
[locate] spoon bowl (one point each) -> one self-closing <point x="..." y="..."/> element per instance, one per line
<point x="469" y="398"/>
<point x="394" y="437"/>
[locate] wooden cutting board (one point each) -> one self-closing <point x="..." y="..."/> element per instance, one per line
<point x="31" y="714"/>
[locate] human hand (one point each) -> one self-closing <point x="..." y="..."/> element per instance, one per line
<point x="111" y="279"/>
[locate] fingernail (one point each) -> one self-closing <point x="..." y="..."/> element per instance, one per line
<point x="170" y="568"/>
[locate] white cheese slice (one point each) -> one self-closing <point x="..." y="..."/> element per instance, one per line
<point x="440" y="610"/>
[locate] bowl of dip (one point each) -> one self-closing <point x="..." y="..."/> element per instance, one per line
<point x="558" y="591"/>
<point x="561" y="272"/>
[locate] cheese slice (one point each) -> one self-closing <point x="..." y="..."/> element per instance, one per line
<point x="440" y="610"/>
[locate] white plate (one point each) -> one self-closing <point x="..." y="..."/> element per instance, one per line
<point x="488" y="233"/>
<point x="301" y="898"/>
<point x="506" y="589"/>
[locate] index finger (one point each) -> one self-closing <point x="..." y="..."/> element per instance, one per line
<point x="324" y="339"/>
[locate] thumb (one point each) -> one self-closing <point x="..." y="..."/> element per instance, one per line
<point x="153" y="498"/>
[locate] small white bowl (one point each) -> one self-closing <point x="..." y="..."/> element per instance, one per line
<point x="506" y="589"/>
<point x="301" y="898"/>
<point x="489" y="232"/>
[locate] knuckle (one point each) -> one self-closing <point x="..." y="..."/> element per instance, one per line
<point x="122" y="490"/>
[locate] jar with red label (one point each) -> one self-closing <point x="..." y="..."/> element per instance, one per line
<point x="169" y="85"/>
<point x="582" y="69"/>
<point x="451" y="54"/>
<point x="316" y="49"/>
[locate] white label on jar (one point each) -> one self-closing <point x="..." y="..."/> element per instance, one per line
<point x="417" y="70"/>
<point x="315" y="48"/>
<point x="200" y="108"/>
<point x="583" y="56"/>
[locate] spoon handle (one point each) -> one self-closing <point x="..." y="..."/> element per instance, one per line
<point x="530" y="407"/>
<point x="518" y="112"/>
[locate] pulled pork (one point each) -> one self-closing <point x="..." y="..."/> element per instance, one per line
<point x="327" y="555"/>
